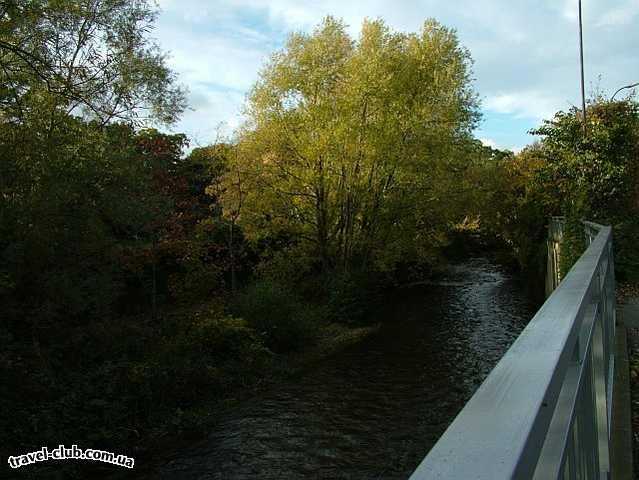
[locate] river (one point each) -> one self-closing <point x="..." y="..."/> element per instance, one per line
<point x="374" y="410"/>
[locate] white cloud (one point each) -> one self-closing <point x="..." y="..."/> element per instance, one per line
<point x="525" y="52"/>
<point x="622" y="15"/>
<point x="570" y="10"/>
<point x="209" y="111"/>
<point x="488" y="142"/>
<point x="600" y="13"/>
<point x="532" y="105"/>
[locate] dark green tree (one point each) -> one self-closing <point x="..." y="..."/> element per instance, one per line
<point x="597" y="177"/>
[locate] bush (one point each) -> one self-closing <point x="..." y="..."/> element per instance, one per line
<point x="352" y="297"/>
<point x="625" y="235"/>
<point x="289" y="267"/>
<point x="573" y="245"/>
<point x="211" y="354"/>
<point x="276" y="313"/>
<point x="127" y="379"/>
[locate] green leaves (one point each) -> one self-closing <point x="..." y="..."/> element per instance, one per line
<point x="346" y="139"/>
<point x="597" y="176"/>
<point x="597" y="171"/>
<point x="593" y="177"/>
<point x="92" y="57"/>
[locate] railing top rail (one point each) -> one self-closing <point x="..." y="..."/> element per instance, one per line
<point x="593" y="224"/>
<point x="500" y="432"/>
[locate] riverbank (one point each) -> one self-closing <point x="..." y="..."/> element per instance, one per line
<point x="167" y="378"/>
<point x="328" y="339"/>
<point x="374" y="408"/>
<point x="170" y="377"/>
<point x="331" y="339"/>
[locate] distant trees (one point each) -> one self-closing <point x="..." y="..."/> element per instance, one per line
<point x="514" y="202"/>
<point x="345" y="141"/>
<point x="565" y="173"/>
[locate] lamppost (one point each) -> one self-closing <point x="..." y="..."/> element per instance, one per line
<point x="581" y="61"/>
<point x="623" y="88"/>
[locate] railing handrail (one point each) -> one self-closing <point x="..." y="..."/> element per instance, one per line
<point x="502" y="430"/>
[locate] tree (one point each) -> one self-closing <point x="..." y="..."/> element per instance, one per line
<point x="514" y="201"/>
<point x="345" y="139"/>
<point x="233" y="190"/>
<point x="194" y="242"/>
<point x="597" y="177"/>
<point x="92" y="57"/>
<point x="75" y="188"/>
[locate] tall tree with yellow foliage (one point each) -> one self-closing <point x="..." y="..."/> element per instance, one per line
<point x="345" y="141"/>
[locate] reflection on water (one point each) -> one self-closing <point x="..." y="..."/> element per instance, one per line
<point x="374" y="410"/>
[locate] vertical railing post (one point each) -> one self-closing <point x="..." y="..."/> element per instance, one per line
<point x="553" y="265"/>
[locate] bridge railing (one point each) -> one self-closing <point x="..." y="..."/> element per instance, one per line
<point x="544" y="411"/>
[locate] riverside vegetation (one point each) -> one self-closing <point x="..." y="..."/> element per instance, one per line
<point x="142" y="287"/>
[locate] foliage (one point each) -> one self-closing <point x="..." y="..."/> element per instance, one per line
<point x="282" y="319"/>
<point x="82" y="197"/>
<point x="353" y="297"/>
<point x="63" y="210"/>
<point x="137" y="281"/>
<point x="346" y="297"/>
<point x="572" y="244"/>
<point x="596" y="177"/>
<point x="120" y="391"/>
<point x="208" y="354"/>
<point x="346" y="140"/>
<point x="288" y="266"/>
<point x="104" y="227"/>
<point x="514" y="203"/>
<point x="192" y="246"/>
<point x="593" y="177"/>
<point x="94" y="56"/>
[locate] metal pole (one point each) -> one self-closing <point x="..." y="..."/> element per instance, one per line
<point x="581" y="59"/>
<point x="623" y="88"/>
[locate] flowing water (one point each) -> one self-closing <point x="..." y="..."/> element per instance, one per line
<point x="374" y="410"/>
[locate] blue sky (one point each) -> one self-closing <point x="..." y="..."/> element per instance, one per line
<point x="525" y="52"/>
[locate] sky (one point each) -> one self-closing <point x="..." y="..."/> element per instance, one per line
<point x="526" y="52"/>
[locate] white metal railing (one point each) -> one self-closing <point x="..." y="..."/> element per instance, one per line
<point x="544" y="411"/>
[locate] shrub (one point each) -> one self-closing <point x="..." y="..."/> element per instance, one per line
<point x="277" y="314"/>
<point x="625" y="236"/>
<point x="572" y="245"/>
<point x="209" y="354"/>
<point x="352" y="297"/>
<point x="289" y="267"/>
<point x="127" y="379"/>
